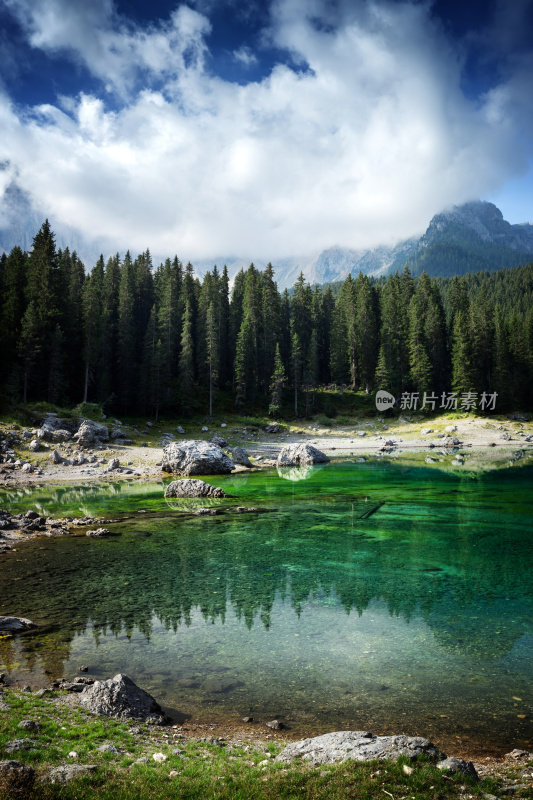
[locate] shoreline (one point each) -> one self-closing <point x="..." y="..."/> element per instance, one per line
<point x="482" y="444"/>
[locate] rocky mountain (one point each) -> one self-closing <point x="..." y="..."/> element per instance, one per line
<point x="465" y="238"/>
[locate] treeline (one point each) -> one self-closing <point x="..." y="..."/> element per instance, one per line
<point x="145" y="340"/>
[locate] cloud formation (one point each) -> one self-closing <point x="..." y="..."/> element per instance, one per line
<point x="356" y="140"/>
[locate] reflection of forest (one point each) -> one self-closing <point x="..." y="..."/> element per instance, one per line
<point x="474" y="591"/>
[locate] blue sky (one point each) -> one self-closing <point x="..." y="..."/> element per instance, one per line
<point x="266" y="129"/>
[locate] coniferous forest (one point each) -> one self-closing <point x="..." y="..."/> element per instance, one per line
<point x="148" y="340"/>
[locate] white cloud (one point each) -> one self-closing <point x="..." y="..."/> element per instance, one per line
<point x="244" y="55"/>
<point x="359" y="147"/>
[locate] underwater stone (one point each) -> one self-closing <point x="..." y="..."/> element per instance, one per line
<point x="193" y="487"/>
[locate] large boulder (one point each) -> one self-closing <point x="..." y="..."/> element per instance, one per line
<point x="90" y="433"/>
<point x="240" y="456"/>
<point x="357" y="746"/>
<point x="195" y="457"/>
<point x="120" y="697"/>
<point x="193" y="487"/>
<point x="15" y="624"/>
<point x="299" y="455"/>
<point x="54" y="429"/>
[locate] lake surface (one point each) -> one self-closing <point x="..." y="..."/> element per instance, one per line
<point x="373" y="597"/>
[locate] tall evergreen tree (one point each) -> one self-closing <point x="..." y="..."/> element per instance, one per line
<point x="277" y="382"/>
<point x="186" y="362"/>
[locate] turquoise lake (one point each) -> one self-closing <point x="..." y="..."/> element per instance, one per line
<point x="372" y="596"/>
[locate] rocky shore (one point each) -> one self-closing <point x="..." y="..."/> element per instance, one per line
<point x="90" y="451"/>
<point x="113" y="729"/>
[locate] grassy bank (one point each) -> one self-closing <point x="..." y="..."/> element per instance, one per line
<point x="205" y="768"/>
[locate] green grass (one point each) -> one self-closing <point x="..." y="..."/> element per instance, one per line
<point x="204" y="770"/>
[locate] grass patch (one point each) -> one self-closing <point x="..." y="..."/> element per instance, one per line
<point x="196" y="768"/>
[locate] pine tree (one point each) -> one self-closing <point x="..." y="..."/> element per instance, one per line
<point x="12" y="307"/>
<point x="244" y="364"/>
<point x="212" y="341"/>
<point x="382" y="377"/>
<point x="420" y="365"/>
<point x="277" y="383"/>
<point x="296" y="365"/>
<point x="127" y="335"/>
<point x="42" y="291"/>
<point x="502" y="362"/>
<point x="151" y="372"/>
<point x="463" y="373"/>
<point x="29" y="346"/>
<point x="93" y="322"/>
<point x="186" y="362"/>
<point x="311" y="371"/>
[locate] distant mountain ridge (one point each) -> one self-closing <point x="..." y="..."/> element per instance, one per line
<point x="465" y="238"/>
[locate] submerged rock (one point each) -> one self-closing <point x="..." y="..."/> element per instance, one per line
<point x="15" y="624"/>
<point x="193" y="487"/>
<point x="299" y="455"/>
<point x="357" y="746"/>
<point x="195" y="457"/>
<point x="120" y="697"/>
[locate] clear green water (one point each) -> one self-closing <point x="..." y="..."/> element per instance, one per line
<point x="374" y="596"/>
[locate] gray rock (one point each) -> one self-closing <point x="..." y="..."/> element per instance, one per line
<point x="113" y="463"/>
<point x="20" y="744"/>
<point x="101" y="533"/>
<point x="519" y="754"/>
<point x="16" y="778"/>
<point x="30" y="725"/>
<point x="193" y="487"/>
<point x="356" y="746"/>
<point x="27" y="467"/>
<point x="455" y="765"/>
<point x="180" y="430"/>
<point x="195" y="457"/>
<point x="68" y="772"/>
<point x="219" y="440"/>
<point x="35" y="445"/>
<point x="240" y="456"/>
<point x="275" y="725"/>
<point x="15" y="624"/>
<point x="450" y="442"/>
<point x="90" y="433"/>
<point x="120" y="697"/>
<point x="116" y="433"/>
<point x="56" y="458"/>
<point x="109" y="748"/>
<point x="274" y="427"/>
<point x="296" y="455"/>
